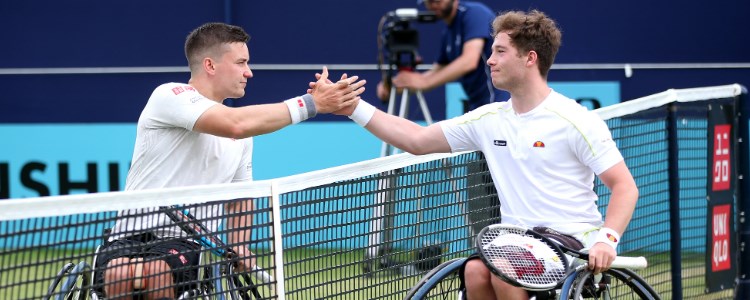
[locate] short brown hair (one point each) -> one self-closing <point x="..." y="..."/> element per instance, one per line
<point x="531" y="31"/>
<point x="208" y="38"/>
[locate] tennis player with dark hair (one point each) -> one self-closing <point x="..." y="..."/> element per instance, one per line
<point x="186" y="136"/>
<point x="543" y="150"/>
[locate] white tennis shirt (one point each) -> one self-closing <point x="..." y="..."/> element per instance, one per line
<point x="168" y="153"/>
<point x="542" y="162"/>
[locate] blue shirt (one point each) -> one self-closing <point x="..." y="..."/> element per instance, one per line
<point x="473" y="20"/>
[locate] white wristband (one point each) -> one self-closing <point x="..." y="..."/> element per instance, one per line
<point x="363" y="113"/>
<point x="301" y="108"/>
<point x="608" y="236"/>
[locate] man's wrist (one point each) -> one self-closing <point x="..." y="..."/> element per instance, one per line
<point x="363" y="113"/>
<point x="301" y="108"/>
<point x="608" y="236"/>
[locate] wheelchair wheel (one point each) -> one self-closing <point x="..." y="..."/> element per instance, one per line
<point x="58" y="278"/>
<point x="442" y="282"/>
<point x="241" y="286"/>
<point x="237" y="286"/>
<point x="615" y="284"/>
<point x="76" y="284"/>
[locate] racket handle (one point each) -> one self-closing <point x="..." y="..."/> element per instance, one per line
<point x="263" y="277"/>
<point x="626" y="262"/>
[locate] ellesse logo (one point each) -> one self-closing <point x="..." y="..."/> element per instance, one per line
<point x="501" y="143"/>
<point x="611" y="237"/>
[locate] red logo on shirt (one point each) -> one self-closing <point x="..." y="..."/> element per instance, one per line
<point x="538" y="144"/>
<point x="180" y="89"/>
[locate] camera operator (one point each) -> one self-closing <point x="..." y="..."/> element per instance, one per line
<point x="465" y="47"/>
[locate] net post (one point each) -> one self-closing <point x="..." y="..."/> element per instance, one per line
<point x="742" y="290"/>
<point x="674" y="202"/>
<point x="278" y="249"/>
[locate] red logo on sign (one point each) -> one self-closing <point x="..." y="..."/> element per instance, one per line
<point x="720" y="258"/>
<point x="722" y="171"/>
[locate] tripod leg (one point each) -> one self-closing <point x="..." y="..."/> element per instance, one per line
<point x="403" y="112"/>
<point x="392" y="100"/>
<point x="425" y="109"/>
<point x="404" y="109"/>
<point x="385" y="148"/>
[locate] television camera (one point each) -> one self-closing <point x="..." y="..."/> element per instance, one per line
<point x="398" y="42"/>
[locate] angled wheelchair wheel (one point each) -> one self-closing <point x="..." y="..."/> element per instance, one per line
<point x="614" y="284"/>
<point x="241" y="286"/>
<point x="442" y="282"/>
<point x="71" y="283"/>
<point x="58" y="278"/>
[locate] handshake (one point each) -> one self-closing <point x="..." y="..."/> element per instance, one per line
<point x="340" y="97"/>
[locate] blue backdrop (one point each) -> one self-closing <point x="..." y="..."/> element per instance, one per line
<point x="59" y="124"/>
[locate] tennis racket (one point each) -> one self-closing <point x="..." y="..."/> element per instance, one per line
<point x="529" y="260"/>
<point x="192" y="226"/>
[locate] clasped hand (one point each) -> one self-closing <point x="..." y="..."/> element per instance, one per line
<point x="337" y="97"/>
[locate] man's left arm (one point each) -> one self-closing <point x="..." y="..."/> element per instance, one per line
<point x="622" y="201"/>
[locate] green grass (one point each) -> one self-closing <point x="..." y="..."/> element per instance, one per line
<point x="317" y="274"/>
<point x="323" y="274"/>
<point x="28" y="274"/>
<point x="310" y="274"/>
<point x="659" y="276"/>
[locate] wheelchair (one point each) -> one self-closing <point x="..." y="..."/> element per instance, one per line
<point x="443" y="282"/>
<point x="216" y="280"/>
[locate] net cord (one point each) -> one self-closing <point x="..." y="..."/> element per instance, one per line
<point x="18" y="209"/>
<point x="669" y="96"/>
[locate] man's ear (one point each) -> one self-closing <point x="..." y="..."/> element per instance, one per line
<point x="531" y="58"/>
<point x="208" y="65"/>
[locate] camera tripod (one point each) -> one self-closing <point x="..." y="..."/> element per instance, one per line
<point x="382" y="257"/>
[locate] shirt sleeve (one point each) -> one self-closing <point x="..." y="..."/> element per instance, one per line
<point x="245" y="170"/>
<point x="594" y="145"/>
<point x="175" y="105"/>
<point x="460" y="132"/>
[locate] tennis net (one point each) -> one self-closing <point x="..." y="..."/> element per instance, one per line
<point x="370" y="230"/>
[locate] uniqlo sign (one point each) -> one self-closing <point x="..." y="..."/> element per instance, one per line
<point x="720" y="258"/>
<point x="721" y="191"/>
<point x="721" y="164"/>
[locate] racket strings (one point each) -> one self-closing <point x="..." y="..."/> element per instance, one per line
<point x="523" y="258"/>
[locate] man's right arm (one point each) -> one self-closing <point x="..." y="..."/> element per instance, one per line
<point x="242" y="122"/>
<point x="253" y="120"/>
<point x="399" y="132"/>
